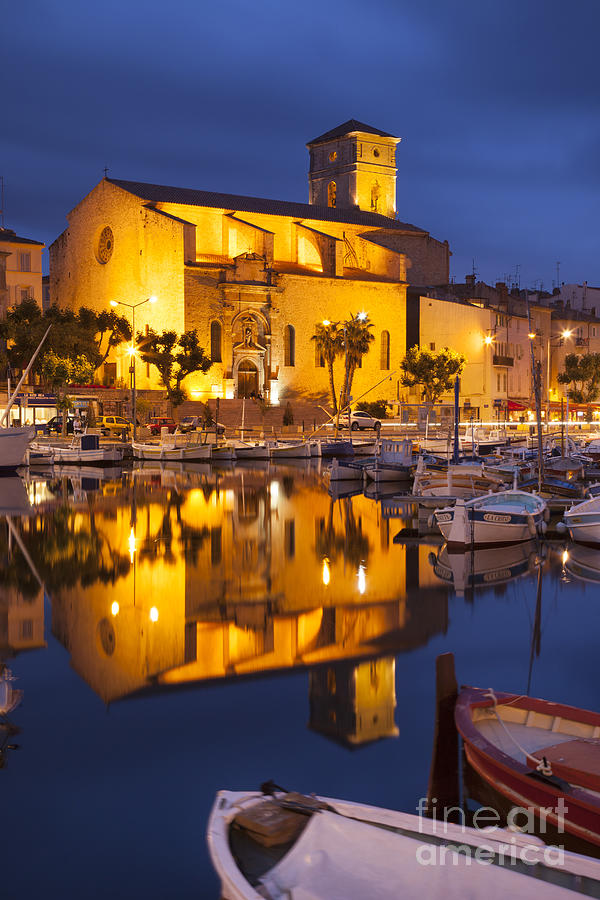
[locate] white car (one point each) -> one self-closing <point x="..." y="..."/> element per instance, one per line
<point x="360" y="420"/>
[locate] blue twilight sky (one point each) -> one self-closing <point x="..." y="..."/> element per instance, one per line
<point x="497" y="104"/>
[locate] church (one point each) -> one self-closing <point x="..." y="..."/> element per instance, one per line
<point x="254" y="276"/>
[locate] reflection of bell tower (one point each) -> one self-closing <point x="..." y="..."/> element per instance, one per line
<point x="354" y="165"/>
<point x="354" y="703"/>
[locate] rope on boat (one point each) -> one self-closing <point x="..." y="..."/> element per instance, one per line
<point x="542" y="765"/>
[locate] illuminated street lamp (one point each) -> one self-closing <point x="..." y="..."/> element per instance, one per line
<point x="132" y="352"/>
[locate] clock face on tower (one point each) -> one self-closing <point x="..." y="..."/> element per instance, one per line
<point x="105" y="245"/>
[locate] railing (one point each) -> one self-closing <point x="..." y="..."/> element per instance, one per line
<point x="504" y="361"/>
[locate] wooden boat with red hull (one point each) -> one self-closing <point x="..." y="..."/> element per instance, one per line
<point x="536" y="754"/>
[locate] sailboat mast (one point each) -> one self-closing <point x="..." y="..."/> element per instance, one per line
<point x="535" y="373"/>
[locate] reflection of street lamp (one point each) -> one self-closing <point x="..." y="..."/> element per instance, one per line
<point x="132" y="351"/>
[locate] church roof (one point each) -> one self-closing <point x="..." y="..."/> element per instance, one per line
<point x="159" y="193"/>
<point x="347" y="128"/>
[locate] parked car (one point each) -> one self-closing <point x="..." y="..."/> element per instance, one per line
<point x="360" y="420"/>
<point x="113" y="425"/>
<point x="158" y="422"/>
<point x="196" y="423"/>
<point x="56" y="423"/>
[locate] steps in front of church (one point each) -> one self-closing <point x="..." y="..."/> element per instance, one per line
<point x="232" y="411"/>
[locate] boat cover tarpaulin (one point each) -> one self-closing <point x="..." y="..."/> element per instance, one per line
<point x="337" y="858"/>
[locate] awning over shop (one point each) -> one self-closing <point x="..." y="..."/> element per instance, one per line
<point x="513" y="406"/>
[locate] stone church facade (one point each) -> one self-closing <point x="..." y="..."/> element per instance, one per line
<point x="252" y="275"/>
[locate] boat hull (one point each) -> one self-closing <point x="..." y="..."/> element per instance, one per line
<point x="13" y="447"/>
<point x="201" y="452"/>
<point x="564" y="805"/>
<point x="504" y="518"/>
<point x="291" y="451"/>
<point x="103" y="456"/>
<point x="583" y="521"/>
<point x="360" y="851"/>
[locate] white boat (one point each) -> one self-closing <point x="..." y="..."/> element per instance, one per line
<point x="394" y="462"/>
<point x="583" y="521"/>
<point x="248" y="450"/>
<point x="464" y="480"/>
<point x="178" y="450"/>
<point x="290" y="451"/>
<point x="346" y="471"/>
<point x="13" y="447"/>
<point x="482" y="440"/>
<point x="504" y="518"/>
<point x="223" y="452"/>
<point x="366" y="448"/>
<point x="311" y="848"/>
<point x="9" y="696"/>
<point x="74" y="454"/>
<point x="38" y="457"/>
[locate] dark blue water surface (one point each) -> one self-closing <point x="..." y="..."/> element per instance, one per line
<point x="264" y="630"/>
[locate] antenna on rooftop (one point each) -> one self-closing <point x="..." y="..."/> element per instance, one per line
<point x="106" y="171"/>
<point x="557" y="274"/>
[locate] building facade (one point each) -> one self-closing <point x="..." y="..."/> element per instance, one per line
<point x="255" y="276"/>
<point x="23" y="271"/>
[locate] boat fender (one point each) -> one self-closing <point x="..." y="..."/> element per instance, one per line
<point x="531" y="524"/>
<point x="543" y="527"/>
<point x="561" y="527"/>
<point x="431" y="521"/>
<point x="546" y="515"/>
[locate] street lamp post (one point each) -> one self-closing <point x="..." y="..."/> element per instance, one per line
<point x="132" y="351"/>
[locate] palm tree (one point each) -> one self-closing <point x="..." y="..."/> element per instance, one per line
<point x="357" y="339"/>
<point x="329" y="341"/>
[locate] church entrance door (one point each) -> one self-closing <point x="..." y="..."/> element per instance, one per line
<point x="247" y="379"/>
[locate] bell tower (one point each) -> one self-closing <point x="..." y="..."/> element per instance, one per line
<point x="354" y="166"/>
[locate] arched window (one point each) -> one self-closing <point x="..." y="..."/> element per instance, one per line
<point x="384" y="359"/>
<point x="215" y="341"/>
<point x="289" y="346"/>
<point x="375" y="196"/>
<point x="331" y="193"/>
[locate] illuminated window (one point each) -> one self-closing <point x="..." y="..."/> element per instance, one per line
<point x="384" y="360"/>
<point x="332" y="156"/>
<point x="331" y="193"/>
<point x="289" y="346"/>
<point x="215" y="341"/>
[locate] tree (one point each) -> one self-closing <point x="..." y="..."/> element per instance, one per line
<point x="583" y="373"/>
<point x="58" y="372"/>
<point x="329" y="344"/>
<point x="86" y="333"/>
<point x="434" y="370"/>
<point x="175" y="357"/>
<point x="357" y="338"/>
<point x="107" y="324"/>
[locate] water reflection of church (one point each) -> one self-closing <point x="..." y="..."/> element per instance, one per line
<point x="243" y="574"/>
